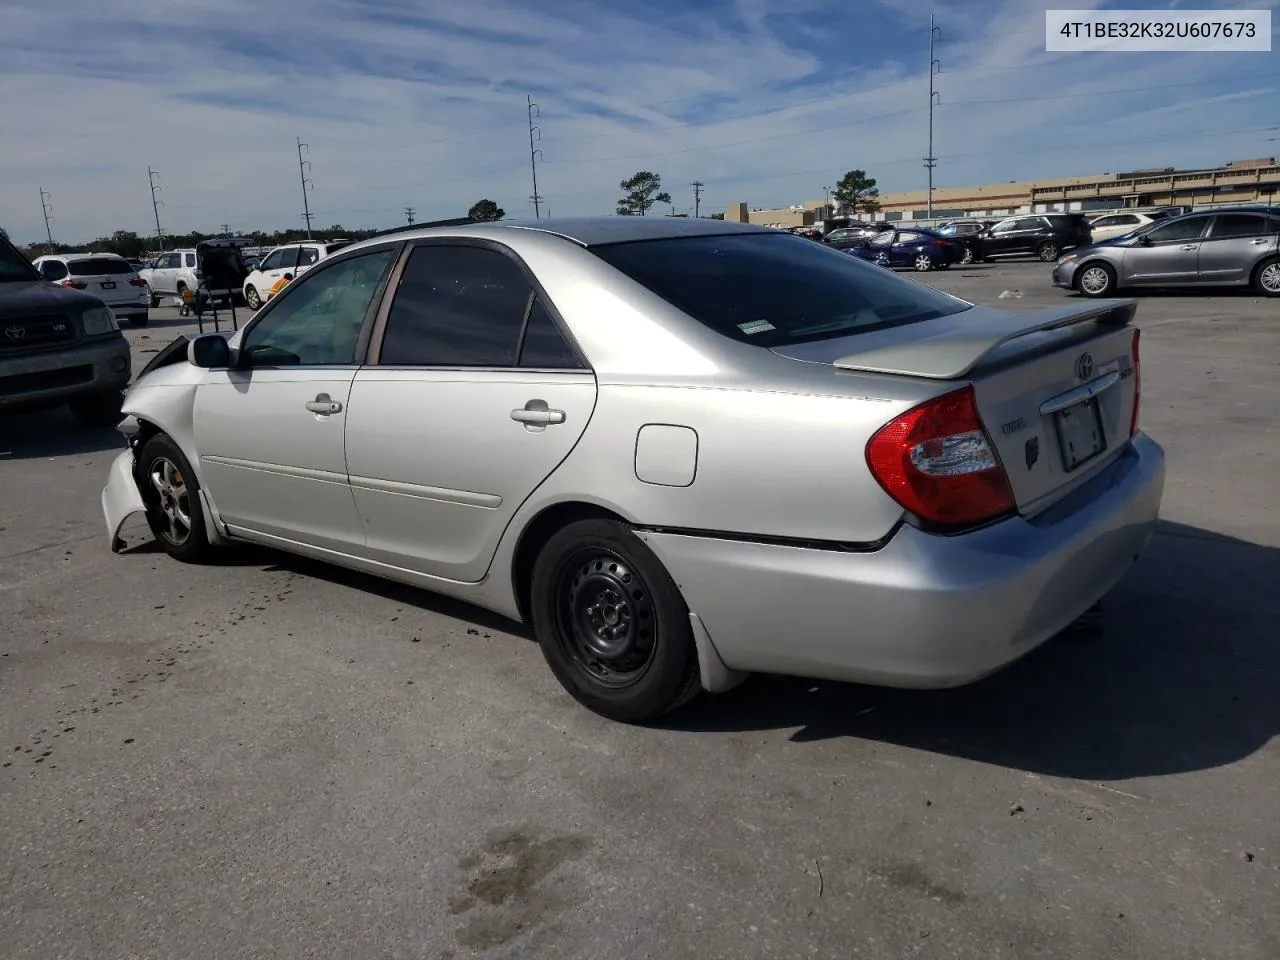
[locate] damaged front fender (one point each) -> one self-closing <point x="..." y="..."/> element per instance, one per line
<point x="120" y="498"/>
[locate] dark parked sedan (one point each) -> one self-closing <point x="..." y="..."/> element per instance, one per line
<point x="918" y="249"/>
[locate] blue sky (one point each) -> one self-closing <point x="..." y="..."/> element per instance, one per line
<point x="422" y="103"/>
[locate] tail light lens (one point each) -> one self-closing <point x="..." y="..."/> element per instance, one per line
<point x="1137" y="383"/>
<point x="74" y="284"/>
<point x="137" y="282"/>
<point x="937" y="461"/>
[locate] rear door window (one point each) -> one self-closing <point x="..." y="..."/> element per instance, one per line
<point x="773" y="290"/>
<point x="307" y="256"/>
<point x="53" y="270"/>
<point x="1226" y="225"/>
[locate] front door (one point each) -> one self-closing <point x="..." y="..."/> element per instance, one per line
<point x="471" y="399"/>
<point x="1168" y="254"/>
<point x="271" y="433"/>
<point x="1236" y="241"/>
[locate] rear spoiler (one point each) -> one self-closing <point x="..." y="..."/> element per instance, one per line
<point x="952" y="347"/>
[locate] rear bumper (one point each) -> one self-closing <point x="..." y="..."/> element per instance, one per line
<point x="57" y="375"/>
<point x="924" y="610"/>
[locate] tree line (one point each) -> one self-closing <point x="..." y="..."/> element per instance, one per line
<point x="855" y="193"/>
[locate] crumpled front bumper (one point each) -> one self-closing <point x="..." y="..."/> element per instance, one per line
<point x="120" y="497"/>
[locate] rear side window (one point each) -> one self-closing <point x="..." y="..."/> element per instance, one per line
<point x="97" y="266"/>
<point x="457" y="306"/>
<point x="773" y="290"/>
<point x="308" y="256"/>
<point x="1237" y="225"/>
<point x="543" y="344"/>
<point x="189" y="259"/>
<point x="53" y="270"/>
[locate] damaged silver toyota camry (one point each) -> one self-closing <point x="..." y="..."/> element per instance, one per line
<point x="684" y="450"/>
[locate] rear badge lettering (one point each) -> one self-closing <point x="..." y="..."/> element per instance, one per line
<point x="1013" y="426"/>
<point x="1032" y="451"/>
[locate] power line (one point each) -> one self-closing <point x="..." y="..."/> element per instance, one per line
<point x="303" y="167"/>
<point x="697" y="196"/>
<point x="408" y="213"/>
<point x="534" y="154"/>
<point x="46" y="205"/>
<point x="156" y="204"/>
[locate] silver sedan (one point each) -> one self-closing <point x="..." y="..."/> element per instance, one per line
<point x="685" y="450"/>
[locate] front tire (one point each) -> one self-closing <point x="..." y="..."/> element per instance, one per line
<point x="612" y="624"/>
<point x="1048" y="251"/>
<point x="98" y="409"/>
<point x="251" y="297"/>
<point x="1266" y="278"/>
<point x="172" y="496"/>
<point x="1096" y="280"/>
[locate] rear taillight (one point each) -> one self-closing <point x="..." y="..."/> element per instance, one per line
<point x="137" y="282"/>
<point x="1137" y="383"/>
<point x="74" y="284"/>
<point x="937" y="461"/>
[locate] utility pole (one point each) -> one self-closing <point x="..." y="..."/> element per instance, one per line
<point x="303" y="167"/>
<point x="226" y="230"/>
<point x="534" y="154"/>
<point x="156" y="204"/>
<point x="408" y="213"/>
<point x="46" y="204"/>
<point x="935" y="66"/>
<point x="697" y="197"/>
<point x="826" y="203"/>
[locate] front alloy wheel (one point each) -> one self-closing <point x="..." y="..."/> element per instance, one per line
<point x="251" y="297"/>
<point x="1096" y="280"/>
<point x="171" y="493"/>
<point x="174" y="500"/>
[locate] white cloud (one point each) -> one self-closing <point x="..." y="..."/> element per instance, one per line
<point x="422" y="103"/>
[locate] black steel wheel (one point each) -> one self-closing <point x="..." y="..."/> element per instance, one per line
<point x="611" y="623"/>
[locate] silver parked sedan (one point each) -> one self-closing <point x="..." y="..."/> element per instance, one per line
<point x="686" y="450"/>
<point x="1231" y="246"/>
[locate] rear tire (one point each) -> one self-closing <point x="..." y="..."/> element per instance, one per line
<point x="612" y="624"/>
<point x="1096" y="280"/>
<point x="98" y="409"/>
<point x="1048" y="251"/>
<point x="152" y="300"/>
<point x="967" y="257"/>
<point x="922" y="262"/>
<point x="139" y="320"/>
<point x="172" y="496"/>
<point x="1266" y="278"/>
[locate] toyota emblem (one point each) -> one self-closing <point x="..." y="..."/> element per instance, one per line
<point x="1084" y="366"/>
<point x="15" y="332"/>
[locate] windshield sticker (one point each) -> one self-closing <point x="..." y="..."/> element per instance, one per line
<point x="756" y="326"/>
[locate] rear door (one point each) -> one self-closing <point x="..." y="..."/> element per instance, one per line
<point x="1166" y="255"/>
<point x="1233" y="246"/>
<point x="108" y="279"/>
<point x="472" y="397"/>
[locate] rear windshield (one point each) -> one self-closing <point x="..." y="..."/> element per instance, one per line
<point x="97" y="266"/>
<point x="776" y="289"/>
<point x="335" y="247"/>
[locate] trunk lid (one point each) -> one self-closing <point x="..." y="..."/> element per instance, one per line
<point x="106" y="278"/>
<point x="1055" y="387"/>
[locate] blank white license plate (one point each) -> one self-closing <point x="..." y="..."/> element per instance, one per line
<point x="1080" y="434"/>
<point x="108" y="285"/>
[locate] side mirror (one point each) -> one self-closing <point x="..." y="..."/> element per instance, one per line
<point x="209" y="351"/>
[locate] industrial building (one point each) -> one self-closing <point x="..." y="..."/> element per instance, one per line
<point x="1239" y="181"/>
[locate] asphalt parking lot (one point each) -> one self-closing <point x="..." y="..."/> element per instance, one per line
<point x="271" y="758"/>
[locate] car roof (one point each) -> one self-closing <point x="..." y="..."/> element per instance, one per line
<point x="79" y="256"/>
<point x="592" y="231"/>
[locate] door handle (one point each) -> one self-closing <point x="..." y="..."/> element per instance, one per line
<point x="1259" y="241"/>
<point x="323" y="404"/>
<point x="536" y="416"/>
<point x="1189" y="246"/>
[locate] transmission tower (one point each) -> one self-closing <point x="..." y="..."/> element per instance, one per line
<point x="935" y="66"/>
<point x="46" y="204"/>
<point x="303" y="167"/>
<point x="534" y="155"/>
<point x="408" y="214"/>
<point x="156" y="204"/>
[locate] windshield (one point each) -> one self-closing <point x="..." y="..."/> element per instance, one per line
<point x="773" y="290"/>
<point x="13" y="265"/>
<point x="98" y="266"/>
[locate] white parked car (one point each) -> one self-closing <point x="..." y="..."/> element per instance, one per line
<point x="108" y="276"/>
<point x="1113" y="225"/>
<point x="285" y="263"/>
